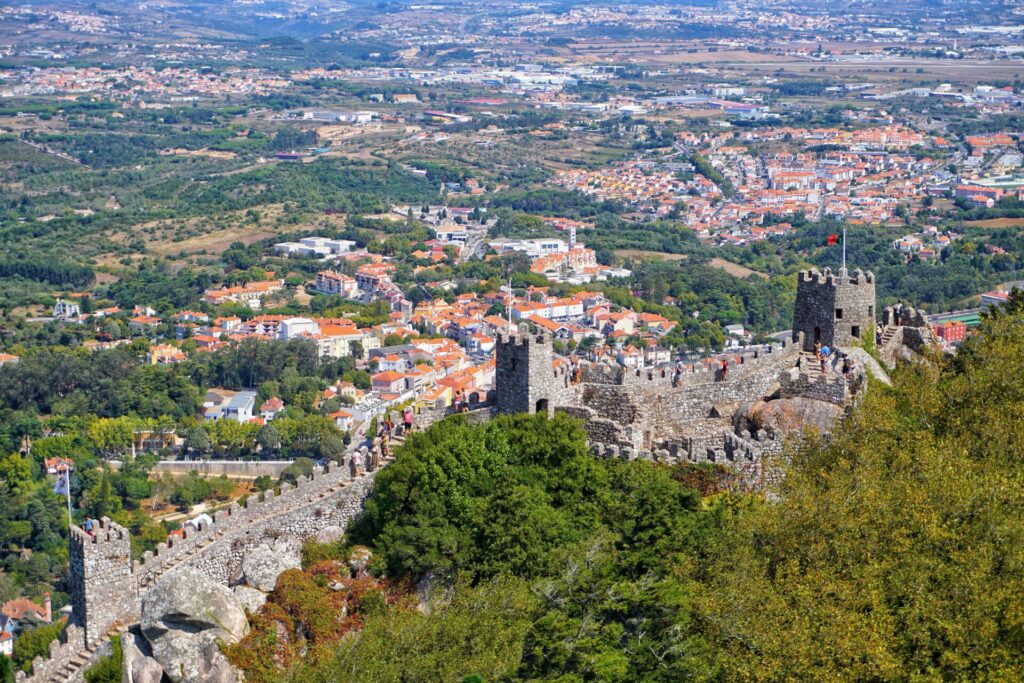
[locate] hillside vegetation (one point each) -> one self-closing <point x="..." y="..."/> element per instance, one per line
<point x="895" y="552"/>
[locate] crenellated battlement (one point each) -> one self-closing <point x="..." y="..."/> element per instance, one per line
<point x="741" y="365"/>
<point x="524" y="337"/>
<point x="827" y="277"/>
<point x="909" y="317"/>
<point x="743" y="452"/>
<point x="103" y="591"/>
<point x="523" y="370"/>
<point x="236" y="516"/>
<point x="105" y="532"/>
<point x="828" y="386"/>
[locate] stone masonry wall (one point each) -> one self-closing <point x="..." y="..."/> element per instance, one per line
<point x="523" y="373"/>
<point x="107" y="587"/>
<point x="811" y="383"/>
<point x="60" y="653"/>
<point x="103" y="589"/>
<point x="646" y="406"/>
<point x="835" y="309"/>
<point x="328" y="498"/>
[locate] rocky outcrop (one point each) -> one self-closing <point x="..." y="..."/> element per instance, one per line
<point x="137" y="666"/>
<point x="251" y="599"/>
<point x="262" y="565"/>
<point x="787" y="416"/>
<point x="186" y="616"/>
<point x="185" y="613"/>
<point x="214" y="667"/>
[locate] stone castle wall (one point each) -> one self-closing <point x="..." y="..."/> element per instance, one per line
<point x="524" y="374"/>
<point x="107" y="587"/>
<point x="61" y="652"/>
<point x="748" y="455"/>
<point x="645" y="407"/>
<point x="811" y="383"/>
<point x="627" y="413"/>
<point x="103" y="590"/>
<point x="328" y="498"/>
<point x="912" y="335"/>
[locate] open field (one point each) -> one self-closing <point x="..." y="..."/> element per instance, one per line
<point x="734" y="269"/>
<point x="214" y="241"/>
<point x="997" y="223"/>
<point x="665" y="52"/>
<point x="897" y="69"/>
<point x="205" y="152"/>
<point x="173" y="239"/>
<point x="642" y="255"/>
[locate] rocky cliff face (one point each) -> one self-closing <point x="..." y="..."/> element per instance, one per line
<point x="187" y="616"/>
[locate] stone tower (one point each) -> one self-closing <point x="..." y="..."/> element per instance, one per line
<point x="103" y="589"/>
<point x="523" y="375"/>
<point x="835" y="309"/>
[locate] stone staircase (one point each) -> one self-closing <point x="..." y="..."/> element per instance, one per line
<point x="74" y="666"/>
<point x="809" y="362"/>
<point x="887" y="334"/>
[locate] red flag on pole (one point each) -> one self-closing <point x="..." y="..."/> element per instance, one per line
<point x="833" y="239"/>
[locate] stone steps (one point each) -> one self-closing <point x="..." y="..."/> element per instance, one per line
<point x="72" y="666"/>
<point x="81" y="658"/>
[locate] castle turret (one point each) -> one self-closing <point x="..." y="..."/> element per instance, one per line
<point x="523" y="376"/>
<point x="103" y="589"/>
<point x="834" y="309"/>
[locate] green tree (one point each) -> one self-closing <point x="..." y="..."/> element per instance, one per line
<point x="6" y="670"/>
<point x="198" y="441"/>
<point x="269" y="441"/>
<point x="896" y="550"/>
<point x="34" y="643"/>
<point x="478" y="630"/>
<point x="101" y="500"/>
<point x="108" y="669"/>
<point x="16" y="472"/>
<point x="302" y="467"/>
<point x="112" y="436"/>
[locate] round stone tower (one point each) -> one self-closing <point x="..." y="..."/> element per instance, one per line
<point x="834" y="309"/>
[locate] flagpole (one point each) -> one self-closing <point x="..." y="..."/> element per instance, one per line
<point x="844" y="248"/>
<point x="67" y="473"/>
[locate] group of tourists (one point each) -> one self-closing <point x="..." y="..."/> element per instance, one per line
<point x="380" y="447"/>
<point x="825" y="354"/>
<point x="461" y="402"/>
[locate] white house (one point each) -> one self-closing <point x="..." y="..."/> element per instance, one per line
<point x="297" y="327"/>
<point x="343" y="420"/>
<point x="329" y="282"/>
<point x="271" y="407"/>
<point x="223" y="404"/>
<point x="66" y="309"/>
